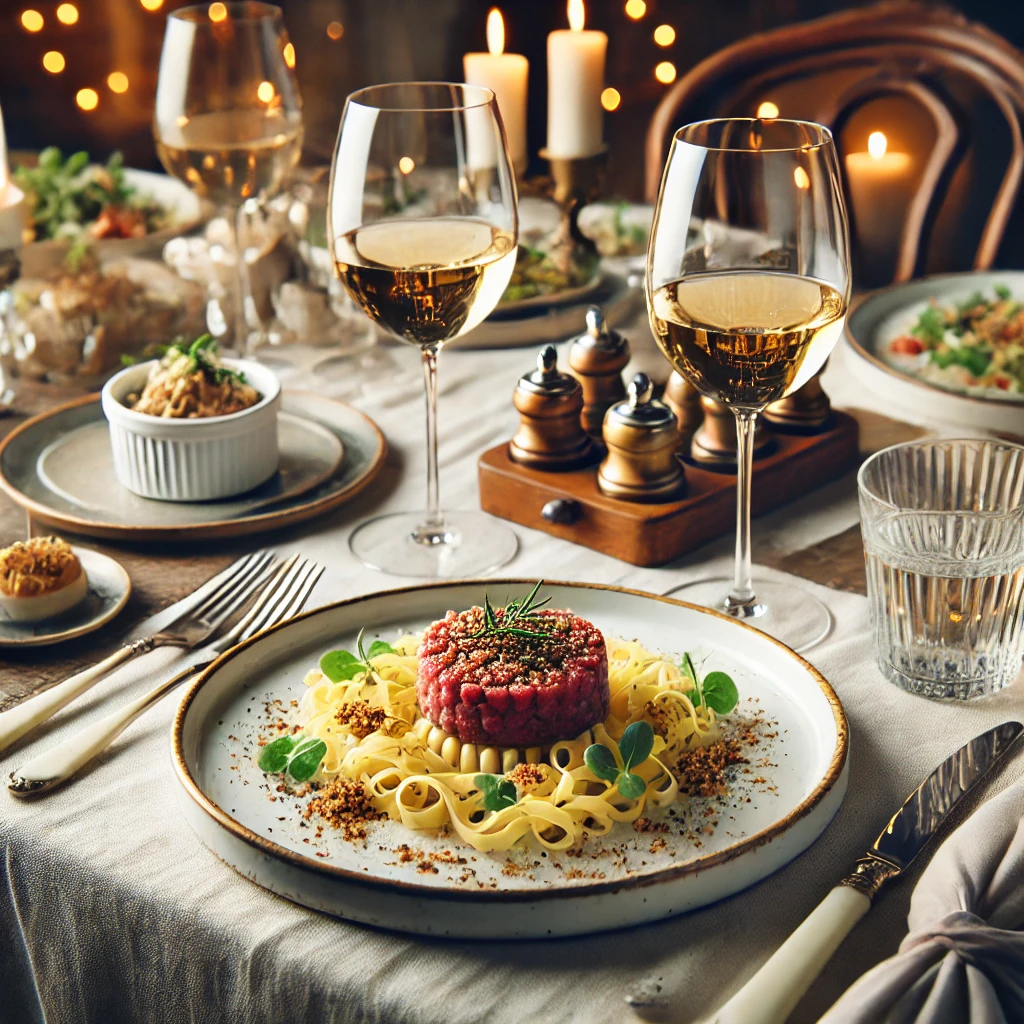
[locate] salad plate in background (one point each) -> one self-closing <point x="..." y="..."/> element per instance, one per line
<point x="115" y="211"/>
<point x="949" y="348"/>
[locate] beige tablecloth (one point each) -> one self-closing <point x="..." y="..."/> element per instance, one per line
<point x="112" y="910"/>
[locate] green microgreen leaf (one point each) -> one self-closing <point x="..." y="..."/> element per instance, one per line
<point x="1002" y="291"/>
<point x="305" y="758"/>
<point x="720" y="693"/>
<point x="601" y="761"/>
<point x="379" y="647"/>
<point x="498" y="792"/>
<point x="636" y="744"/>
<point x="631" y="786"/>
<point x="341" y="665"/>
<point x="275" y="754"/>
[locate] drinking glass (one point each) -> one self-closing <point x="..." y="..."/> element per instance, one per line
<point x="228" y="119"/>
<point x="943" y="529"/>
<point x="747" y="287"/>
<point x="425" y="243"/>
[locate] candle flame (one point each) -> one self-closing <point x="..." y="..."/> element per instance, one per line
<point x="577" y="15"/>
<point x="877" y="145"/>
<point x="495" y="31"/>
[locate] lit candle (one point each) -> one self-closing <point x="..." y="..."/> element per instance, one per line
<point x="12" y="201"/>
<point x="575" y="82"/>
<point x="881" y="185"/>
<point x="506" y="75"/>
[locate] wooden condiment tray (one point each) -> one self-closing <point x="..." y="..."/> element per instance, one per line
<point x="654" y="534"/>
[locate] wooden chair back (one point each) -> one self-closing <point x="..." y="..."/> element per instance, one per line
<point x="931" y="56"/>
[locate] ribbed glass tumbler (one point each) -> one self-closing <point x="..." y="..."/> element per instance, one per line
<point x="943" y="529"/>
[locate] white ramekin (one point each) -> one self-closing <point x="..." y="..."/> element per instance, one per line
<point x="193" y="460"/>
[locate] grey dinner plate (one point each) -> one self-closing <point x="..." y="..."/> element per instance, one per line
<point x="59" y="467"/>
<point x="109" y="589"/>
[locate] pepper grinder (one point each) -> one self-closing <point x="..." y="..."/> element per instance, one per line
<point x="550" y="435"/>
<point x="714" y="444"/>
<point x="684" y="400"/>
<point x="597" y="358"/>
<point x="807" y="411"/>
<point x="641" y="436"/>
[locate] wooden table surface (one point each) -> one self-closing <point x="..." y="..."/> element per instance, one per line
<point x="162" y="574"/>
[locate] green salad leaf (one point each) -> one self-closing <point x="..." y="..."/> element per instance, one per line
<point x="930" y="326"/>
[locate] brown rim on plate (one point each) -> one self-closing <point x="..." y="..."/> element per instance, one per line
<point x="240" y="527"/>
<point x="39" y="640"/>
<point x="869" y="356"/>
<point x="702" y="863"/>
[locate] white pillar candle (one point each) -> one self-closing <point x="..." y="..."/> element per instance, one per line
<point x="575" y="82"/>
<point x="881" y="185"/>
<point x="506" y="75"/>
<point x="12" y="201"/>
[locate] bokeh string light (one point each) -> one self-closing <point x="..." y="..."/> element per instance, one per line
<point x="32" y="21"/>
<point x="53" y="61"/>
<point x="67" y="14"/>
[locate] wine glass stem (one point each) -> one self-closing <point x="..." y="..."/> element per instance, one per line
<point x="742" y="593"/>
<point x="236" y="221"/>
<point x="432" y="529"/>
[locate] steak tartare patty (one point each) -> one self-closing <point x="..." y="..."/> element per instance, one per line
<point x="511" y="690"/>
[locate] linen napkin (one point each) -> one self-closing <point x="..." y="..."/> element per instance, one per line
<point x="963" y="959"/>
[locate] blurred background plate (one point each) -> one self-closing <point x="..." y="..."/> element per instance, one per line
<point x="39" y="259"/>
<point x="878" y="317"/>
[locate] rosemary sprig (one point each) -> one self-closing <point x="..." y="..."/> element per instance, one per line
<point x="517" y="613"/>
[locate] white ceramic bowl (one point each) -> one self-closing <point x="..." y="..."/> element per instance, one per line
<point x="193" y="460"/>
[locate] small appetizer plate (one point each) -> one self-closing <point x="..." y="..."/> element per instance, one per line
<point x="626" y="877"/>
<point x="109" y="590"/>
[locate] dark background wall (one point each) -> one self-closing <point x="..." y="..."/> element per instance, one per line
<point x="383" y="40"/>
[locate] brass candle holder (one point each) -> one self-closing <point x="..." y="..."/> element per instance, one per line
<point x="577" y="181"/>
<point x="807" y="411"/>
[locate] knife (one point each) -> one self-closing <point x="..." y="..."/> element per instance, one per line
<point x="771" y="994"/>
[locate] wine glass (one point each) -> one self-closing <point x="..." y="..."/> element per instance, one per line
<point x="228" y="119"/>
<point x="747" y="286"/>
<point x="425" y="243"/>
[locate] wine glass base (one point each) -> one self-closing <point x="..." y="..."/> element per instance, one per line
<point x="783" y="611"/>
<point x="469" y="544"/>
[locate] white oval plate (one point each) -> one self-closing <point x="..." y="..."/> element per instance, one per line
<point x="623" y="879"/>
<point x="109" y="590"/>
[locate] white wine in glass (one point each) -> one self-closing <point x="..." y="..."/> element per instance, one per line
<point x="228" y="119"/>
<point x="425" y="244"/>
<point x="747" y="288"/>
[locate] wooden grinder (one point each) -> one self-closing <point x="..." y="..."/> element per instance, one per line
<point x="597" y="358"/>
<point x="642" y="437"/>
<point x="550" y="434"/>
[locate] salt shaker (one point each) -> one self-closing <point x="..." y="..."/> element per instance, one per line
<point x="641" y="436"/>
<point x="550" y="435"/>
<point x="598" y="357"/>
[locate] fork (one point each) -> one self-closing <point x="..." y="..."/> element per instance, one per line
<point x="188" y="630"/>
<point x="281" y="598"/>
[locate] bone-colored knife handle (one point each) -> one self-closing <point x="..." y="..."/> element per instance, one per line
<point x="771" y="994"/>
<point x="56" y="765"/>
<point x="24" y="717"/>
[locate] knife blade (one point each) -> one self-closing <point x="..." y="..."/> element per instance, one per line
<point x="772" y="993"/>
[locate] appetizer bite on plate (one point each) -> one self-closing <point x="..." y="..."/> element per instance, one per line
<point x="40" y="578"/>
<point x="193" y="427"/>
<point x="503" y="723"/>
